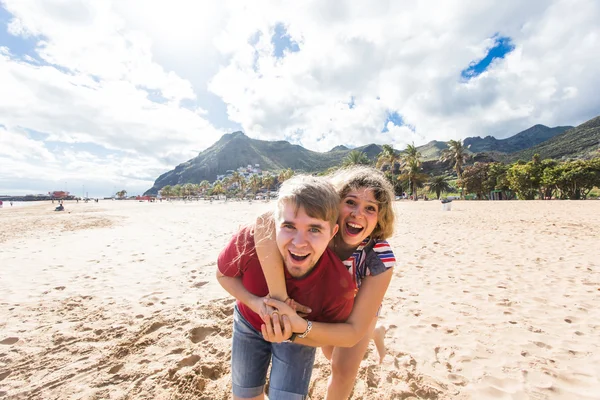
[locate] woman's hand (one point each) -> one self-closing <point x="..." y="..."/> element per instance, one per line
<point x="298" y="324"/>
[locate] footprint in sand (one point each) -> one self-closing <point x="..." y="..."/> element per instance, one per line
<point x="457" y="379"/>
<point x="154" y="327"/>
<point x="10" y="341"/>
<point x="200" y="333"/>
<point x="115" y="369"/>
<point x="4" y="374"/>
<point x="188" y="361"/>
<point x="199" y="284"/>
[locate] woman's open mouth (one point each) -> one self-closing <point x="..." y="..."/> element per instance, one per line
<point x="353" y="229"/>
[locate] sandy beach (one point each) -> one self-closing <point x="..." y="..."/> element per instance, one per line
<point x="118" y="300"/>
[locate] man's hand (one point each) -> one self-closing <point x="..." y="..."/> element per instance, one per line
<point x="264" y="310"/>
<point x="272" y="329"/>
<point x="297" y="322"/>
<point x="301" y="310"/>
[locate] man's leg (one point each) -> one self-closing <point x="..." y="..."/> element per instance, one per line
<point x="250" y="357"/>
<point x="291" y="370"/>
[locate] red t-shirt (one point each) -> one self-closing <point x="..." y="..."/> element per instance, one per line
<point x="328" y="290"/>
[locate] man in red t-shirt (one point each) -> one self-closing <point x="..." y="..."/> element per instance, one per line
<point x="305" y="220"/>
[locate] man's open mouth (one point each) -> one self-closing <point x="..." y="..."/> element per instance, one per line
<point x="353" y="229"/>
<point x="298" y="257"/>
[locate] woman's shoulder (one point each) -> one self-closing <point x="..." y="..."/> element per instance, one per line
<point x="380" y="256"/>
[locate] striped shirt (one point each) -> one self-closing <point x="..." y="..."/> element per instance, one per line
<point x="371" y="257"/>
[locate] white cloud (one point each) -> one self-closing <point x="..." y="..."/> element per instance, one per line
<point x="133" y="86"/>
<point x="20" y="147"/>
<point x="410" y="55"/>
<point x="98" y="89"/>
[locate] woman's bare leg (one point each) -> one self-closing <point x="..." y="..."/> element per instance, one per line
<point x="378" y="337"/>
<point x="327" y="351"/>
<point x="344" y="366"/>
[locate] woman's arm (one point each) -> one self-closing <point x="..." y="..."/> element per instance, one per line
<point x="348" y="333"/>
<point x="269" y="256"/>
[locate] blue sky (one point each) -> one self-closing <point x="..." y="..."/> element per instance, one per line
<point x="18" y="45"/>
<point x="501" y="47"/>
<point x="112" y="94"/>
<point x="282" y="42"/>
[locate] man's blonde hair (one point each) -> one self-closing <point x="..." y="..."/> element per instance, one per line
<point x="361" y="177"/>
<point x="315" y="195"/>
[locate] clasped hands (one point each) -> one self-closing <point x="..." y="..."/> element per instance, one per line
<point x="281" y="319"/>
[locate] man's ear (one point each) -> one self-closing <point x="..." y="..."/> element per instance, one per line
<point x="335" y="230"/>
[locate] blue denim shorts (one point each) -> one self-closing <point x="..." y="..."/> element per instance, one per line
<point x="251" y="355"/>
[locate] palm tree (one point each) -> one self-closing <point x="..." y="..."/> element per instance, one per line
<point x="255" y="183"/>
<point x="387" y="157"/>
<point x="166" y="191"/>
<point x="203" y="186"/>
<point x="226" y="182"/>
<point x="177" y="190"/>
<point x="196" y="189"/>
<point x="456" y="153"/>
<point x="122" y="193"/>
<point x="412" y="173"/>
<point x="355" y="157"/>
<point x="439" y="184"/>
<point x="411" y="153"/>
<point x="187" y="189"/>
<point x="235" y="178"/>
<point x="267" y="181"/>
<point x="217" y="189"/>
<point x="284" y="175"/>
<point x="243" y="185"/>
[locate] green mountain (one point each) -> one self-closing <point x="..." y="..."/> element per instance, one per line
<point x="489" y="144"/>
<point x="236" y="150"/>
<point x="522" y="140"/>
<point x="432" y="150"/>
<point x="581" y="141"/>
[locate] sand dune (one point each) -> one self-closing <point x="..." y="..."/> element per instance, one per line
<point x="117" y="300"/>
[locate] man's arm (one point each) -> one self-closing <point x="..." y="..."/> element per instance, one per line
<point x="234" y="287"/>
<point x="231" y="265"/>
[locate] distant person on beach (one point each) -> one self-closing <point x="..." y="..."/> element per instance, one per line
<point x="60" y="207"/>
<point x="366" y="219"/>
<point x="305" y="221"/>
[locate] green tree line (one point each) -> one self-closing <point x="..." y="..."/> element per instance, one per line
<point x="236" y="185"/>
<point x="536" y="179"/>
